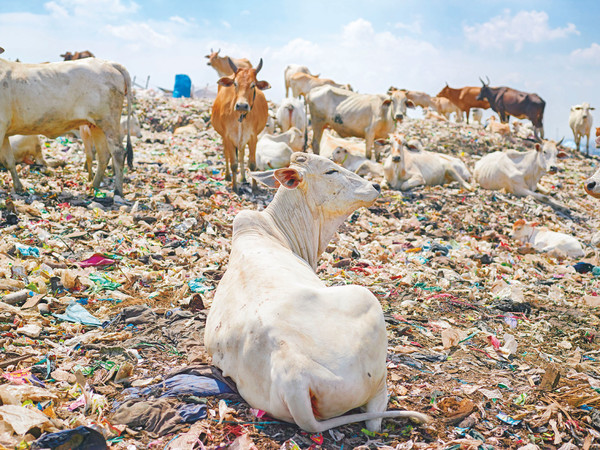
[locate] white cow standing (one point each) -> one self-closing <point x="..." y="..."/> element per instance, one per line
<point x="350" y="114"/>
<point x="53" y="98"/>
<point x="580" y="121"/>
<point x="291" y="113"/>
<point x="404" y="169"/>
<point x="274" y="152"/>
<point x="519" y="172"/>
<point x="290" y="70"/>
<point x="297" y="349"/>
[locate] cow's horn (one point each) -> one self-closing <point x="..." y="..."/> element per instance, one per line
<point x="259" y="66"/>
<point x="211" y="50"/>
<point x="219" y="51"/>
<point x="232" y="65"/>
<point x="488" y="78"/>
<point x="1" y="50"/>
<point x="482" y="82"/>
<point x="560" y="142"/>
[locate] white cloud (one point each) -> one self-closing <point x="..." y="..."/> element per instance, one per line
<point x="245" y="12"/>
<point x="56" y="10"/>
<point x="179" y="20"/>
<point x="413" y="27"/>
<point x="94" y="8"/>
<point x="587" y="55"/>
<point x="140" y="33"/>
<point x="226" y="24"/>
<point x="523" y="27"/>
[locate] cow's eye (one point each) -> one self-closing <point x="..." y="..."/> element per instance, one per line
<point x="253" y="85"/>
<point x="329" y="172"/>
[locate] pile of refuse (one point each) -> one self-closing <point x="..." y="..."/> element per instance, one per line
<point x="103" y="304"/>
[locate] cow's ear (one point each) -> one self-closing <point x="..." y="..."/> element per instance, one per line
<point x="592" y="108"/>
<point x="262" y="85"/>
<point x="538" y="147"/>
<point x="410" y="104"/>
<point x="289" y="178"/>
<point x="266" y="178"/>
<point x="225" y="81"/>
<point x="518" y="224"/>
<point x="387" y="102"/>
<point x="534" y="224"/>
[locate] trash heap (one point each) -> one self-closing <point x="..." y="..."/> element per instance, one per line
<point x="103" y="305"/>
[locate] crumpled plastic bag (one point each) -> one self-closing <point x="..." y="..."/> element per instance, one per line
<point x="20" y="420"/>
<point x="78" y="314"/>
<point x="17" y="394"/>
<point x="97" y="260"/>
<point x="451" y="337"/>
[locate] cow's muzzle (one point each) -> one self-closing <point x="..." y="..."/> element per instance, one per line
<point x="242" y="107"/>
<point x="396" y="158"/>
<point x="589" y="188"/>
<point x="399" y="116"/>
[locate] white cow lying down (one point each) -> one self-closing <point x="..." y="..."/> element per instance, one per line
<point x="297" y="349"/>
<point x="358" y="164"/>
<point x="405" y="169"/>
<point x="274" y="152"/>
<point x="519" y="172"/>
<point x="544" y="240"/>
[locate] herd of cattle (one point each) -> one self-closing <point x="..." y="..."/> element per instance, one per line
<point x="286" y="346"/>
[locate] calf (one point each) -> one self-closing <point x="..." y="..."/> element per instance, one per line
<point x="476" y="114"/>
<point x="580" y="122"/>
<point x="519" y="172"/>
<point x="274" y="152"/>
<point x="53" y="98"/>
<point x="357" y="163"/>
<point x="262" y="330"/>
<point x="239" y="114"/>
<point x="291" y="113"/>
<point x="406" y="169"/>
<point x="362" y="115"/>
<point x="544" y="240"/>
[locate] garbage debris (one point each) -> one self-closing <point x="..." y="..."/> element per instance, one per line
<point x="103" y="301"/>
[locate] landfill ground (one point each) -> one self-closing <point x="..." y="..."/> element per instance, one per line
<point x="496" y="342"/>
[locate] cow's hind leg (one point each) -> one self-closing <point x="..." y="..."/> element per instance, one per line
<point x="453" y="174"/>
<point x="88" y="146"/>
<point x="7" y="159"/>
<point x="377" y="404"/>
<point x="102" y="153"/>
<point x="252" y="158"/>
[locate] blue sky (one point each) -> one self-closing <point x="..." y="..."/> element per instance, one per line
<point x="548" y="47"/>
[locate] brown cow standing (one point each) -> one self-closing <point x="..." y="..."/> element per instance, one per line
<point x="465" y="98"/>
<point x="221" y="63"/>
<point x="68" y="56"/>
<point x="239" y="114"/>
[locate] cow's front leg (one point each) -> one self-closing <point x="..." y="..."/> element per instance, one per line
<point x="369" y="144"/>
<point x="252" y="159"/>
<point x="7" y="159"/>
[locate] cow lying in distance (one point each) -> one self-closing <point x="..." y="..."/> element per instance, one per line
<point x="190" y="129"/>
<point x="54" y="98"/>
<point x="493" y="126"/>
<point x="544" y="240"/>
<point x="274" y="152"/>
<point x="291" y="113"/>
<point x="283" y="361"/>
<point x="27" y="149"/>
<point x="68" y="56"/>
<point x="361" y="115"/>
<point x="357" y="163"/>
<point x="405" y="169"/>
<point x="519" y="172"/>
<point x="523" y="130"/>
<point x="331" y="140"/>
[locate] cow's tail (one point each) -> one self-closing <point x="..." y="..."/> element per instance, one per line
<point x="129" y="93"/>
